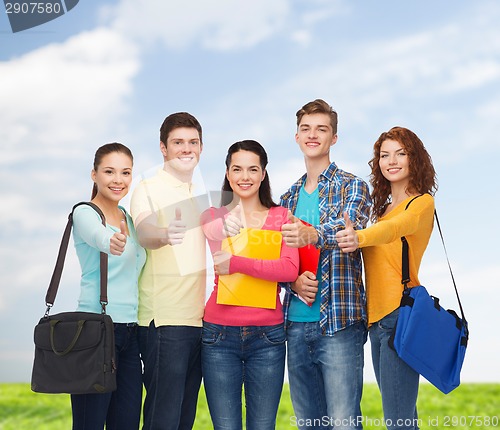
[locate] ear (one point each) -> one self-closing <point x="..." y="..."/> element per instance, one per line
<point x="93" y="175"/>
<point x="163" y="148"/>
<point x="264" y="173"/>
<point x="297" y="138"/>
<point x="334" y="140"/>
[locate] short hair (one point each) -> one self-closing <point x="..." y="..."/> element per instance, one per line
<point x="265" y="194"/>
<point x="178" y="120"/>
<point x="318" y="106"/>
<point x="422" y="174"/>
<point x="104" y="150"/>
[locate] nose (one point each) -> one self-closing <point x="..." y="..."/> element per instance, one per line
<point x="392" y="159"/>
<point x="186" y="147"/>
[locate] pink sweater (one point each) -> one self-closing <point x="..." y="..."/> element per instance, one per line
<point x="284" y="269"/>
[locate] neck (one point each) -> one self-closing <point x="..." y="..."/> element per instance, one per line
<point x="314" y="168"/>
<point x="399" y="193"/>
<point x="181" y="176"/>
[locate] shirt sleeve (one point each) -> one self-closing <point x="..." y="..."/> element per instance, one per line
<point x="357" y="205"/>
<point x="212" y="224"/>
<point x="405" y="223"/>
<point x="283" y="269"/>
<point x="87" y="226"/>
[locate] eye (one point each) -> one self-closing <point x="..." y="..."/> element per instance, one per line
<point x="108" y="171"/>
<point x="383" y="155"/>
<point x="194" y="142"/>
<point x="127" y="173"/>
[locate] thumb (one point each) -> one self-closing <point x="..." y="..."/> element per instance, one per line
<point x="123" y="229"/>
<point x="237" y="211"/>
<point x="348" y="222"/>
<point x="178" y="214"/>
<point x="291" y="217"/>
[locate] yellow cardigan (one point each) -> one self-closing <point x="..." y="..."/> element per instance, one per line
<point x="381" y="245"/>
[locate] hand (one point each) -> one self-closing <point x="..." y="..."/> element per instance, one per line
<point x="118" y="240"/>
<point x="296" y="234"/>
<point x="176" y="229"/>
<point x="222" y="260"/>
<point x="232" y="224"/>
<point x="306" y="286"/>
<point x="347" y="239"/>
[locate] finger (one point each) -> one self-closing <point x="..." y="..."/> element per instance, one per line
<point x="123" y="227"/>
<point x="178" y="214"/>
<point x="291" y="217"/>
<point x="348" y="222"/>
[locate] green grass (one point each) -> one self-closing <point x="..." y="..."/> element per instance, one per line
<point x="470" y="406"/>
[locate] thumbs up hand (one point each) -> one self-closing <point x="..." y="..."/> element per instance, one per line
<point x="233" y="223"/>
<point x="176" y="230"/>
<point x="118" y="240"/>
<point x="296" y="234"/>
<point x="347" y="239"/>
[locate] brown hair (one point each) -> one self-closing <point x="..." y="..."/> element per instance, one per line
<point x="178" y="120"/>
<point x="422" y="174"/>
<point x="318" y="106"/>
<point x="104" y="150"/>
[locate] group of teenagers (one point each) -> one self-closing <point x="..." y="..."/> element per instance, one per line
<point x="169" y="337"/>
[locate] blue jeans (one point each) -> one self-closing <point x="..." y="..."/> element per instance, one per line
<point x="326" y="375"/>
<point x="172" y="375"/>
<point x="120" y="409"/>
<point x="249" y="356"/>
<point x="398" y="382"/>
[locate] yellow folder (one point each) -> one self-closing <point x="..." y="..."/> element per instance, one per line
<point x="239" y="289"/>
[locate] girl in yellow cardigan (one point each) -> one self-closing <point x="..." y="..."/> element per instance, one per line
<point x="401" y="170"/>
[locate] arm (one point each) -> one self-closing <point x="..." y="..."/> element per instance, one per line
<point x="87" y="224"/>
<point x="357" y="204"/>
<point x="284" y="269"/>
<point x="405" y="223"/>
<point x="149" y="234"/>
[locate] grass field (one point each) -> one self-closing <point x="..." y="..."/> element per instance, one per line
<point x="471" y="406"/>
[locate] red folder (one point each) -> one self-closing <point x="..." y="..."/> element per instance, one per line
<point x="308" y="257"/>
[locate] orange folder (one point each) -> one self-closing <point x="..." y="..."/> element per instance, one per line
<point x="239" y="289"/>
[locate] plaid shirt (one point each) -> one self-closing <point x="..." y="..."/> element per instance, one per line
<point x="343" y="298"/>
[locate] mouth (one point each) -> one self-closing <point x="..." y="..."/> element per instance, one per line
<point x="245" y="186"/>
<point x="186" y="159"/>
<point x="394" y="170"/>
<point x="116" y="189"/>
<point x="312" y="144"/>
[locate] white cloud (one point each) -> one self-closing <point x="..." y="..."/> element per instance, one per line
<point x="58" y="97"/>
<point x="222" y="25"/>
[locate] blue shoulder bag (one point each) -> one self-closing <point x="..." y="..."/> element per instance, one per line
<point x="430" y="339"/>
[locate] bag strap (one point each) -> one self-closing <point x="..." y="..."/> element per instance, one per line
<point x="61" y="256"/>
<point x="406" y="264"/>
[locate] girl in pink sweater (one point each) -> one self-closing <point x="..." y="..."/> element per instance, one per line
<point x="245" y="346"/>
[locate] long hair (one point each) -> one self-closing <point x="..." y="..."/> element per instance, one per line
<point x="265" y="194"/>
<point x="104" y="150"/>
<point x="422" y="174"/>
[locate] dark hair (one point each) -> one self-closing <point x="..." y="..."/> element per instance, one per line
<point x="265" y="186"/>
<point x="104" y="150"/>
<point x="422" y="174"/>
<point x="177" y="120"/>
<point x="318" y="106"/>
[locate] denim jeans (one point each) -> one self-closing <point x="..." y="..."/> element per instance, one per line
<point x="398" y="382"/>
<point x="249" y="356"/>
<point x="172" y="375"/>
<point x="326" y="375"/>
<point x="120" y="409"/>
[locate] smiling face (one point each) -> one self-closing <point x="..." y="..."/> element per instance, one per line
<point x="245" y="174"/>
<point x="315" y="136"/>
<point x="394" y="162"/>
<point x="113" y="176"/>
<point x="181" y="152"/>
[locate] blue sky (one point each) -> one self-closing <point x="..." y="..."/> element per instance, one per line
<point x="112" y="70"/>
